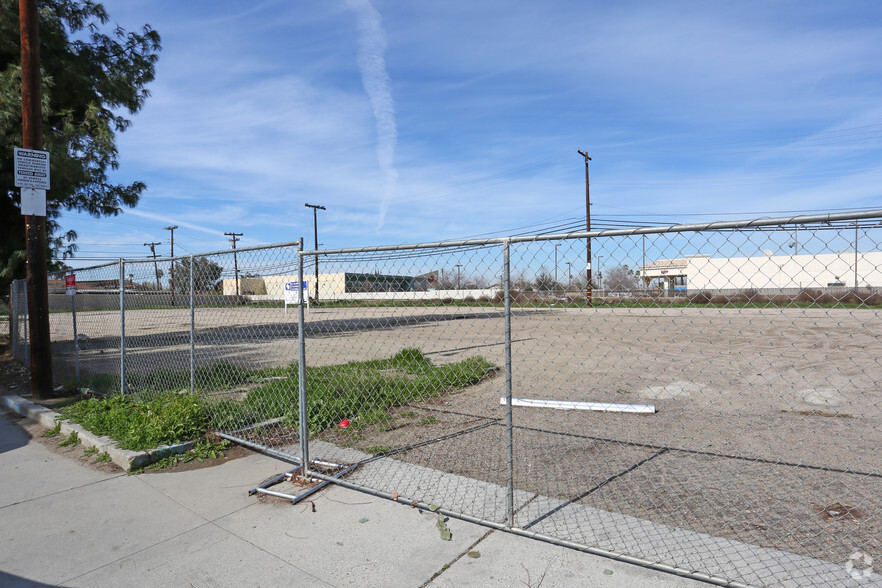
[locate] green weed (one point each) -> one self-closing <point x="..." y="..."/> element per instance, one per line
<point x="208" y="447"/>
<point x="71" y="441"/>
<point x="90" y="451"/>
<point x="104" y="457"/>
<point x="137" y="425"/>
<point x="53" y="431"/>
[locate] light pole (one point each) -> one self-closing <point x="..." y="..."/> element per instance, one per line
<point x="555" y="264"/>
<point x="599" y="272"/>
<point x="315" y="208"/>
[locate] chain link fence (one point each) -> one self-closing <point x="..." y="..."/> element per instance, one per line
<point x="18" y="321"/>
<point x="708" y="404"/>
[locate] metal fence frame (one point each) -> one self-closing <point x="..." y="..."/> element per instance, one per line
<point x="504" y="246"/>
<point x="506" y="243"/>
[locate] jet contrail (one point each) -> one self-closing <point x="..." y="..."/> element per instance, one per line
<point x="372" y="64"/>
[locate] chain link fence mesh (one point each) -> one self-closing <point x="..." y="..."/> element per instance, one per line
<point x="18" y="321"/>
<point x="712" y="408"/>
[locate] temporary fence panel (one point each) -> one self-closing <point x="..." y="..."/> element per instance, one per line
<point x="704" y="401"/>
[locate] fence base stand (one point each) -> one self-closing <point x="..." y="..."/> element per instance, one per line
<point x="289" y="475"/>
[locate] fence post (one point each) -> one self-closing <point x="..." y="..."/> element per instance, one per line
<point x="13" y="318"/>
<point x="509" y="429"/>
<point x="73" y="311"/>
<point x="122" y="326"/>
<point x="192" y="327"/>
<point x="301" y="365"/>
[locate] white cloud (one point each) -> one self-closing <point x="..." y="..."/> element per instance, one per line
<point x="372" y="64"/>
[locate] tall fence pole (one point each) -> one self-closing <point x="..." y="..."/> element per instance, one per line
<point x="301" y="364"/>
<point x="122" y="326"/>
<point x="73" y="314"/>
<point x="509" y="427"/>
<point x="192" y="328"/>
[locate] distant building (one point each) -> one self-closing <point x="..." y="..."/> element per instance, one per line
<point x="775" y="272"/>
<point x="330" y="284"/>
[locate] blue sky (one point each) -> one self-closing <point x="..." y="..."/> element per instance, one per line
<point x="424" y="121"/>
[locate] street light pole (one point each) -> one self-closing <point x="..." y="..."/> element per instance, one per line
<point x="315" y="208"/>
<point x="600" y="271"/>
<point x="555" y="263"/>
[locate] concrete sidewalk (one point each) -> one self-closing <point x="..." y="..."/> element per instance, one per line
<point x="62" y="523"/>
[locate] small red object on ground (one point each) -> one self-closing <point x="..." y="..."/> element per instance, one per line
<point x="344" y="423"/>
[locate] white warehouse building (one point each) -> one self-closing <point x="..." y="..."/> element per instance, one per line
<point x="777" y="272"/>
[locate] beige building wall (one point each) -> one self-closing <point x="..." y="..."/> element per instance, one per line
<point x="249" y="286"/>
<point x="784" y="271"/>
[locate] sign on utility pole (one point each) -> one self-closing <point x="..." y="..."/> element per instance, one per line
<point x="32" y="176"/>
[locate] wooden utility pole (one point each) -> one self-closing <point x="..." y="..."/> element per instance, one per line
<point x="315" y="208"/>
<point x="233" y="238"/>
<point x="172" y="282"/>
<point x="152" y="247"/>
<point x="587" y="223"/>
<point x="35" y="226"/>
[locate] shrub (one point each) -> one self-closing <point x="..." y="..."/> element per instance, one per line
<point x="700" y="298"/>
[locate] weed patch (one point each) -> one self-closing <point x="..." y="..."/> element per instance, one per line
<point x="362" y="392"/>
<point x="71" y="441"/>
<point x="208" y="447"/>
<point x="138" y="425"/>
<point x="54" y="431"/>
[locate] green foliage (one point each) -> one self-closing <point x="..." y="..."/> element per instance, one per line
<point x="71" y="441"/>
<point x="104" y="457"/>
<point x="166" y="419"/>
<point x="90" y="451"/>
<point x="206" y="274"/>
<point x="53" y="431"/>
<point x="90" y="78"/>
<point x="363" y="392"/>
<point x="208" y="447"/>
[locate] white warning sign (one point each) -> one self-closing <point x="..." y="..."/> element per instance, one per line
<point x="31" y="169"/>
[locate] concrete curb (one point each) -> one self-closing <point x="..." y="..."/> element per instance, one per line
<point x="127" y="460"/>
